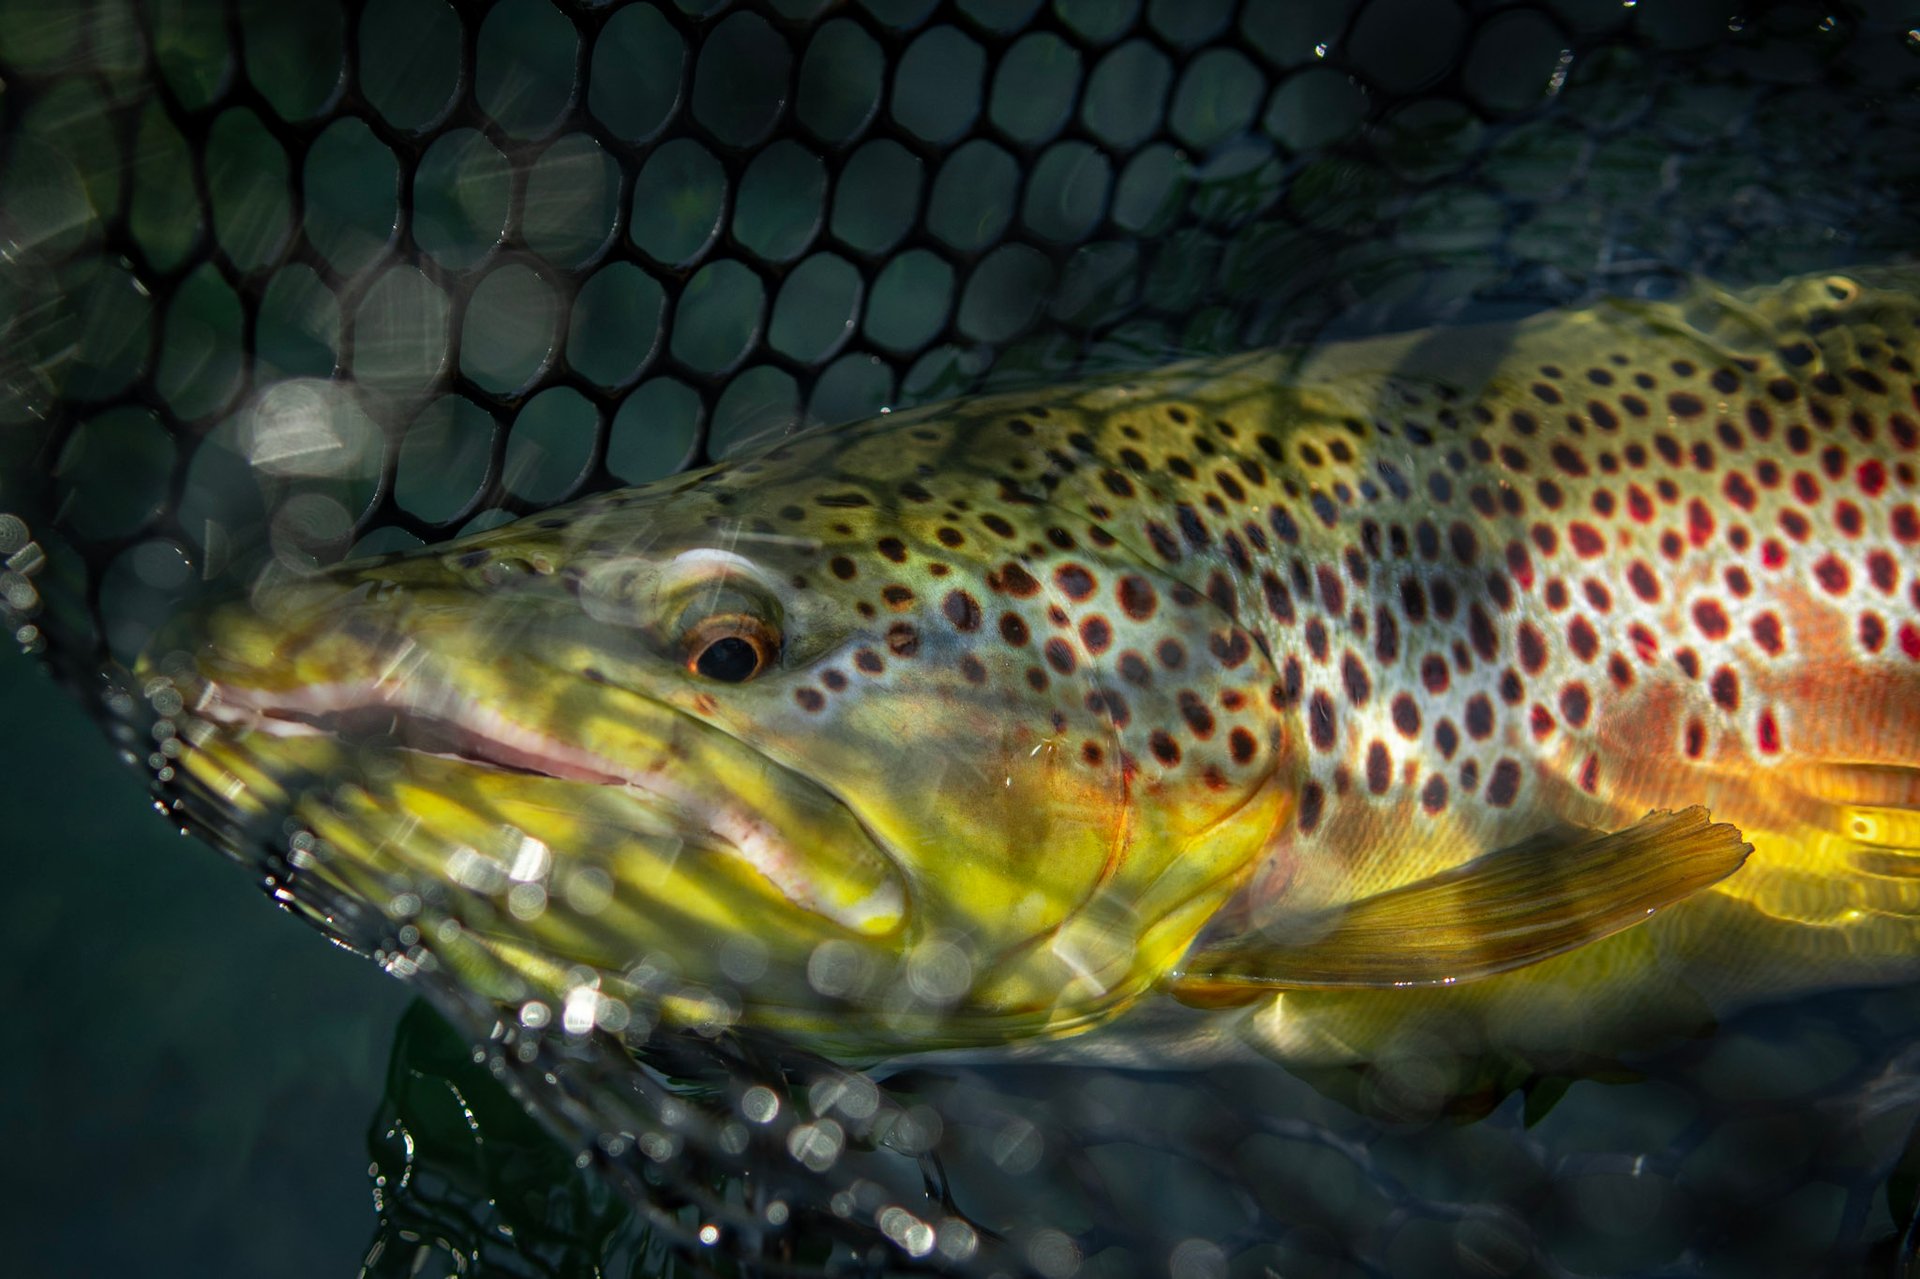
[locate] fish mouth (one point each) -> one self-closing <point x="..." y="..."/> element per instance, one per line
<point x="420" y="717"/>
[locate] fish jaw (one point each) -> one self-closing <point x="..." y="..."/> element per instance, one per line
<point x="531" y="842"/>
<point x="444" y="722"/>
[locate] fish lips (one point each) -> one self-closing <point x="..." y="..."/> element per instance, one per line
<point x="670" y="775"/>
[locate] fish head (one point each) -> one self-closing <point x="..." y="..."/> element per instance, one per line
<point x="834" y="756"/>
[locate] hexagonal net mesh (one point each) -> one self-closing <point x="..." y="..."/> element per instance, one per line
<point x="285" y="282"/>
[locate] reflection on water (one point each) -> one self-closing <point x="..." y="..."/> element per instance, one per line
<point x="1784" y="1145"/>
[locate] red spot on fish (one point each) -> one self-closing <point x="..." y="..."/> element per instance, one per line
<point x="1585" y="539"/>
<point x="1639" y="505"/>
<point x="1711" y="619"/>
<point x="1773" y="553"/>
<point x="1699" y="522"/>
<point x="1725" y="687"/>
<point x="1766" y="633"/>
<point x="1905" y="523"/>
<point x="1590" y="774"/>
<point x="1645" y="646"/>
<point x="1540" y="721"/>
<point x="1695" y="743"/>
<point x="1882" y="571"/>
<point x="1769" y="733"/>
<point x="1832" y="575"/>
<point x="1910" y="640"/>
<point x="1872" y="477"/>
<point x="1520" y="564"/>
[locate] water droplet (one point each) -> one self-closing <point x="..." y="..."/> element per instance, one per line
<point x="760" y="1104"/>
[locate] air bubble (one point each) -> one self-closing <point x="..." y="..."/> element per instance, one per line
<point x="1053" y="1254"/>
<point x="760" y="1104"/>
<point x="588" y="890"/>
<point x="816" y="1145"/>
<point x="913" y="1235"/>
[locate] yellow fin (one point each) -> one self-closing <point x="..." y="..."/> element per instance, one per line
<point x="1507" y="909"/>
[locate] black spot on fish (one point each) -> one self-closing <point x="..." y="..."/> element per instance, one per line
<point x="961" y="610"/>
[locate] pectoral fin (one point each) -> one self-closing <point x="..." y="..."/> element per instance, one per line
<point x="1507" y="909"/>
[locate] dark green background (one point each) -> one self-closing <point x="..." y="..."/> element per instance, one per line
<point x="188" y="1074"/>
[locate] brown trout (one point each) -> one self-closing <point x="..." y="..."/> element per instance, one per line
<point x="1353" y="687"/>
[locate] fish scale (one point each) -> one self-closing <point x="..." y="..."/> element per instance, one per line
<point x="1125" y="676"/>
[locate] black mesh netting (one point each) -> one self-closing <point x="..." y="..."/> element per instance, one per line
<point x="279" y="282"/>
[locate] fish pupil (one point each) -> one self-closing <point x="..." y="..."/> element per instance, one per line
<point x="728" y="658"/>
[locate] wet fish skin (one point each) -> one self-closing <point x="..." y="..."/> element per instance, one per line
<point x="1066" y="680"/>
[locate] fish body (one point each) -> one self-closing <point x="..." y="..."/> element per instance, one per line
<point x="978" y="722"/>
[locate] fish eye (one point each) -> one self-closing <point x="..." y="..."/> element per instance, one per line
<point x="731" y="647"/>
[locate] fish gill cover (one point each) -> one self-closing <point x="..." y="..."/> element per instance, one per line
<point x="285" y="285"/>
